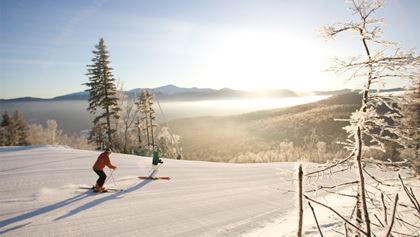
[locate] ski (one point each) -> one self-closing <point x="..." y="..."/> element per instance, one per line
<point x="155" y="178"/>
<point x="152" y="176"/>
<point x="105" y="191"/>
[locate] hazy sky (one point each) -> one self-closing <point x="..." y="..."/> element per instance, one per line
<point x="46" y="45"/>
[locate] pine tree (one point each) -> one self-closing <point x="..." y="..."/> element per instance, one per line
<point x="2" y="136"/>
<point x="6" y="124"/>
<point x="143" y="122"/>
<point x="14" y="131"/>
<point x="102" y="89"/>
<point x="147" y="114"/>
<point x="96" y="135"/>
<point x="21" y="129"/>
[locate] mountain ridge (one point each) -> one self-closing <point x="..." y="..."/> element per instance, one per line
<point x="172" y="92"/>
<point x="175" y="93"/>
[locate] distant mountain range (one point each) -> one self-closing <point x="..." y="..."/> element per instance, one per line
<point x="172" y="92"/>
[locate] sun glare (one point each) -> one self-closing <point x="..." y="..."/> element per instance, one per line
<point x="255" y="60"/>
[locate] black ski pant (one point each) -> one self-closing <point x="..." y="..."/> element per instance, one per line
<point x="102" y="177"/>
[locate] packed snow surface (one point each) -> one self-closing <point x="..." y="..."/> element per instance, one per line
<point x="40" y="196"/>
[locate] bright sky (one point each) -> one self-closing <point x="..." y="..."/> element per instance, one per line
<point x="241" y="44"/>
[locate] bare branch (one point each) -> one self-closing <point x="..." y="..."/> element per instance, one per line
<point x="334" y="186"/>
<point x="378" y="220"/>
<point x="338" y="214"/>
<point x="393" y="216"/>
<point x="316" y="220"/>
<point x="333" y="165"/>
<point x="328" y="32"/>
<point x="385" y="209"/>
<point x="341" y="194"/>
<point x="410" y="195"/>
<point x="407" y="223"/>
<point x="345" y="228"/>
<point x="404" y="234"/>
<point x="377" y="180"/>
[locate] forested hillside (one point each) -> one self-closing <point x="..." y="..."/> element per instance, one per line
<point x="308" y="131"/>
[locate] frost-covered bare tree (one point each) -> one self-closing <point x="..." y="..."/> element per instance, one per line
<point x="117" y="122"/>
<point x="129" y="116"/>
<point x="377" y="121"/>
<point x="37" y="134"/>
<point x="125" y="122"/>
<point x="53" y="132"/>
<point x="169" y="144"/>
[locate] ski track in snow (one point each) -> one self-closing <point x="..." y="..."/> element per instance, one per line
<point x="40" y="196"/>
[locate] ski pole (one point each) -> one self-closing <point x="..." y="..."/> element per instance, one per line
<point x="112" y="177"/>
<point x="109" y="176"/>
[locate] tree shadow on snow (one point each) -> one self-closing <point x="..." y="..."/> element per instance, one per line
<point x="44" y="163"/>
<point x="39" y="211"/>
<point x="106" y="198"/>
<point x="15" y="148"/>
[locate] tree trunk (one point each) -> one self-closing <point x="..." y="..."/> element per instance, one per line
<point x="108" y="123"/>
<point x="147" y="130"/>
<point x="359" y="211"/>
<point x="362" y="189"/>
<point x="300" y="174"/>
<point x="151" y="130"/>
<point x="125" y="138"/>
<point x="139" y="132"/>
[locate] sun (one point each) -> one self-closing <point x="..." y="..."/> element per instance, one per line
<point x="261" y="60"/>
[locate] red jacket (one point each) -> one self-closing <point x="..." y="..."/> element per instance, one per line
<point x="102" y="161"/>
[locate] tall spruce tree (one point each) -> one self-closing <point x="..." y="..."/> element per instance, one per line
<point x="102" y="90"/>
<point x="13" y="130"/>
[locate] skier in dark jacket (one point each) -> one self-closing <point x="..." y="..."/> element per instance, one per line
<point x="102" y="161"/>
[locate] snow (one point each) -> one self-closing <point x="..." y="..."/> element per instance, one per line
<point x="39" y="196"/>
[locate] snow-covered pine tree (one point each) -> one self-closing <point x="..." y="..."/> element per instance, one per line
<point x="102" y="89"/>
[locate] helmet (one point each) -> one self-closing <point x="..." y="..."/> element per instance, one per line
<point x="108" y="149"/>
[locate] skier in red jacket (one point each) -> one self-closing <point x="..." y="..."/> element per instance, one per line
<point x="102" y="161"/>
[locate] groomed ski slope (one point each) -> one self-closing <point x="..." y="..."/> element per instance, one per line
<point x="39" y="196"/>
